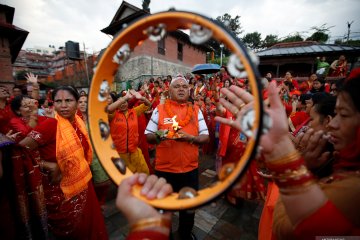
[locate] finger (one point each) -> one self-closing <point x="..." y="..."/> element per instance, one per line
<point x="228" y="105"/>
<point x="156" y="188"/>
<point x="235" y="100"/>
<point x="273" y="96"/>
<point x="148" y="184"/>
<point x="16" y="134"/>
<point x="242" y="94"/>
<point x="324" y="157"/>
<point x="228" y="122"/>
<point x="305" y="139"/>
<point x="142" y="178"/>
<point x="126" y="185"/>
<point x="164" y="191"/>
<point x="298" y="138"/>
<point x="316" y="142"/>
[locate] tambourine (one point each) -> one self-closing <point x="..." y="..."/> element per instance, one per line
<point x="242" y="64"/>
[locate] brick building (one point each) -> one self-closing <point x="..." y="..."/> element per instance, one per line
<point x="54" y="68"/>
<point x="11" y="40"/>
<point x="172" y="55"/>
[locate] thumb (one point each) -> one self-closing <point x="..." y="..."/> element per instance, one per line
<point x="125" y="186"/>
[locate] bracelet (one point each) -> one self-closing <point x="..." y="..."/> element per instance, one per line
<point x="192" y="140"/>
<point x="290" y="157"/>
<point x="150" y="223"/>
<point x="290" y="173"/>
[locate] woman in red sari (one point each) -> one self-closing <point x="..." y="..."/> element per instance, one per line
<point x="232" y="144"/>
<point x="66" y="153"/>
<point x="29" y="192"/>
<point x="209" y="112"/>
<point x="339" y="68"/>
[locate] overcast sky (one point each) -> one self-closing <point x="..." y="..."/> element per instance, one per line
<point x="53" y="22"/>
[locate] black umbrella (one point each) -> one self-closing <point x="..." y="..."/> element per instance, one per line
<point x="205" y="68"/>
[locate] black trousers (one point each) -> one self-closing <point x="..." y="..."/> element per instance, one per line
<point x="178" y="181"/>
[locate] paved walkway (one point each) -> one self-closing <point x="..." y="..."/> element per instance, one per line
<point x="217" y="220"/>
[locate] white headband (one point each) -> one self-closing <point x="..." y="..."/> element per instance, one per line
<point x="178" y="77"/>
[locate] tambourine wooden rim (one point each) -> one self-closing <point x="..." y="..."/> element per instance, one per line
<point x="106" y="69"/>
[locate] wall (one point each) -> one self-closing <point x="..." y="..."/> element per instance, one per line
<point x="5" y="61"/>
<point x="146" y="62"/>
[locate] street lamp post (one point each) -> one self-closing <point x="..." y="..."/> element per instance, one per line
<point x="221" y="53"/>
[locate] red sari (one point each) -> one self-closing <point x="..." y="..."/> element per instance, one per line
<point x="80" y="217"/>
<point x="231" y="147"/>
<point x="5" y="115"/>
<point x="29" y="192"/>
<point x="209" y="116"/>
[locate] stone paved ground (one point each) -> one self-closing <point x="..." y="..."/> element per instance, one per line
<point x="218" y="220"/>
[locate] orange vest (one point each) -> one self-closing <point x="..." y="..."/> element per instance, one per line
<point x="124" y="131"/>
<point x="173" y="156"/>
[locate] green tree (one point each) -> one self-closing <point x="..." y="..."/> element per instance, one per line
<point x="293" y="38"/>
<point x="321" y="34"/>
<point x="270" y="40"/>
<point x="355" y="43"/>
<point x="253" y="40"/>
<point x="233" y="24"/>
<point x="338" y="41"/>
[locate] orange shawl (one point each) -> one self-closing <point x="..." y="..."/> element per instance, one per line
<point x="70" y="156"/>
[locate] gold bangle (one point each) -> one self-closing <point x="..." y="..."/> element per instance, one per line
<point x="150" y="223"/>
<point x="291" y="174"/>
<point x="290" y="157"/>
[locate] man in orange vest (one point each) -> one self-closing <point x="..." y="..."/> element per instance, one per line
<point x="124" y="130"/>
<point x="177" y="158"/>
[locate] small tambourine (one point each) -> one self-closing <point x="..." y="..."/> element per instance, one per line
<point x="242" y="64"/>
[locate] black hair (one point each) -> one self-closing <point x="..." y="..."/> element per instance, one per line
<point x="322" y="88"/>
<point x="352" y="87"/>
<point x="16" y="103"/>
<point x="304" y="97"/>
<point x="201" y="80"/>
<point x="340" y="83"/>
<point x="114" y="96"/>
<point x="71" y="89"/>
<point x="317" y="97"/>
<point x="41" y="101"/>
<point x="326" y="106"/>
<point x="290" y="85"/>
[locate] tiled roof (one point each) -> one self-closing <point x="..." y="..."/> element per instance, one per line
<point x="305" y="48"/>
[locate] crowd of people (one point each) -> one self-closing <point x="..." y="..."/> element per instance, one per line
<point x="54" y="187"/>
